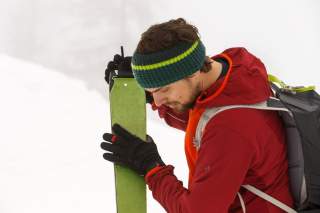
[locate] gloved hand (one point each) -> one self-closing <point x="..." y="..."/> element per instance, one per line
<point x="120" y="63"/>
<point x="127" y="149"/>
<point x="123" y="65"/>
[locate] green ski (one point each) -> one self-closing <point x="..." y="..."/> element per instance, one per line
<point x="128" y="108"/>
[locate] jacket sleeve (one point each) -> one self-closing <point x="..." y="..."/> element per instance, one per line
<point x="173" y="119"/>
<point x="223" y="161"/>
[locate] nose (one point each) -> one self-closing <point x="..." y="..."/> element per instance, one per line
<point x="159" y="99"/>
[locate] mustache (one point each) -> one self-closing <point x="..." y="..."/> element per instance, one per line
<point x="184" y="107"/>
<point x="173" y="103"/>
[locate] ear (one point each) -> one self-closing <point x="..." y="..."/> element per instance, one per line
<point x="207" y="65"/>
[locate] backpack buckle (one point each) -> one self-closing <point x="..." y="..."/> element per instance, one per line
<point x="291" y="89"/>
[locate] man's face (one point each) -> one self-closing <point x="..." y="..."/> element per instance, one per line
<point x="180" y="95"/>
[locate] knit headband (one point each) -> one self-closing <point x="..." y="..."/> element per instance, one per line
<point x="167" y="66"/>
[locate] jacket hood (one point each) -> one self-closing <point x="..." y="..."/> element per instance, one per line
<point x="246" y="81"/>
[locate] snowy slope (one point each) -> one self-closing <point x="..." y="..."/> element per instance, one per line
<point x="50" y="159"/>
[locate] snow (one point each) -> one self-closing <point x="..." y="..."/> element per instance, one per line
<point x="50" y="153"/>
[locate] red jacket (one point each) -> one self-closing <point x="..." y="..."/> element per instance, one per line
<point x="239" y="146"/>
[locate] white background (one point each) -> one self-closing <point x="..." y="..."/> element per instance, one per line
<point x="54" y="104"/>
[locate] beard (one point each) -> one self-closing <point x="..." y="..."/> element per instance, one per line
<point x="183" y="107"/>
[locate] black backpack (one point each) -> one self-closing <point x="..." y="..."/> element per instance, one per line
<point x="304" y="156"/>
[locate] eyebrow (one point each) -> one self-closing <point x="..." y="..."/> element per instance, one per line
<point x="156" y="90"/>
<point x="161" y="88"/>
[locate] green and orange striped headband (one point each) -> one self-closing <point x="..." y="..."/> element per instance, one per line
<point x="161" y="68"/>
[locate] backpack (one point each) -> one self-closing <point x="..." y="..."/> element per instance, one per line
<point x="299" y="109"/>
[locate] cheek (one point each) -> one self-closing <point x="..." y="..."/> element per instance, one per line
<point x="177" y="97"/>
<point x="184" y="93"/>
<point x="184" y="96"/>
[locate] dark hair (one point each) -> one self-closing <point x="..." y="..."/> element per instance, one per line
<point x="165" y="35"/>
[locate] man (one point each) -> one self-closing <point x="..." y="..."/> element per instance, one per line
<point x="238" y="146"/>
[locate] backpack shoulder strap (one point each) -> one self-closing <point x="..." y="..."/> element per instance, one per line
<point x="271" y="104"/>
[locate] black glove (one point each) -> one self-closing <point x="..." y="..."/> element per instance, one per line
<point x="120" y="63"/>
<point x="129" y="150"/>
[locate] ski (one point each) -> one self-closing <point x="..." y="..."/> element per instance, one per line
<point x="128" y="108"/>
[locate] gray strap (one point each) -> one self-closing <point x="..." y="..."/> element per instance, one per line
<point x="243" y="206"/>
<point x="268" y="198"/>
<point x="210" y="113"/>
